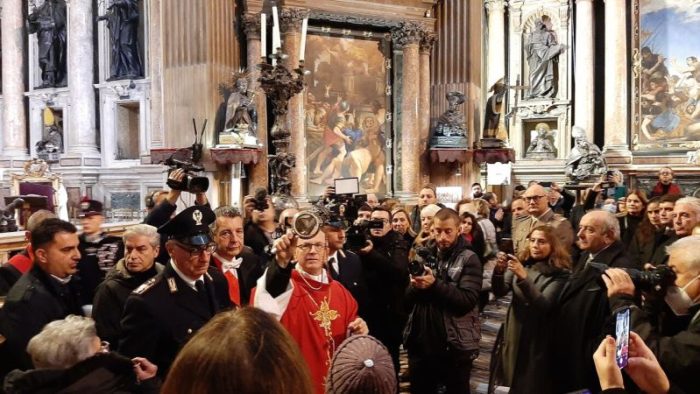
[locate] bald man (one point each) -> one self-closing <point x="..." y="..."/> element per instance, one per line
<point x="539" y="214"/>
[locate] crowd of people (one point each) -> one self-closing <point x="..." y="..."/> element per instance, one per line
<point x="222" y="300"/>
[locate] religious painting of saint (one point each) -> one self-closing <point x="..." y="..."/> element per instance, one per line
<point x="345" y="106"/>
<point x="665" y="76"/>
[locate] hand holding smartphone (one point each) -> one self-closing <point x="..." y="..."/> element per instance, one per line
<point x="622" y="337"/>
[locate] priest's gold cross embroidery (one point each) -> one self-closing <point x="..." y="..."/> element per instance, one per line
<point x="325" y="315"/>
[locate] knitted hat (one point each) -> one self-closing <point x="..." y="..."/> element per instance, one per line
<point x="361" y="365"/>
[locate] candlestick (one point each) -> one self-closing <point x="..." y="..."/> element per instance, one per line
<point x="302" y="49"/>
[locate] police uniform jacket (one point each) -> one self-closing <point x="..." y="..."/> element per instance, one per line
<point x="162" y="314"/>
<point x="523" y="226"/>
<point x="35" y="300"/>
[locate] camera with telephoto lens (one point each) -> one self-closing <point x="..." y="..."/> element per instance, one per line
<point x="357" y="235"/>
<point x="190" y="182"/>
<point x="656" y="280"/>
<point x="260" y="200"/>
<point x="424" y="258"/>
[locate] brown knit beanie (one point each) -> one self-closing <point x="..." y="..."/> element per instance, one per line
<point x="361" y="365"/>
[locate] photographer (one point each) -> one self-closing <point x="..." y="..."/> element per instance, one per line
<point x="260" y="230"/>
<point x="443" y="331"/>
<point x="165" y="210"/>
<point x="669" y="325"/>
<point x="385" y="264"/>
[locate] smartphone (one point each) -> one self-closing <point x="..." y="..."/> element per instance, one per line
<point x="505" y="245"/>
<point x="622" y="337"/>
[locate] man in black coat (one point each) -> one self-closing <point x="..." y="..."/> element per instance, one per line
<point x="583" y="317"/>
<point x="162" y="314"/>
<point x="99" y="252"/>
<point x="237" y="262"/>
<point x="385" y="265"/>
<point x="49" y="291"/>
<point x="141" y="244"/>
<point x="443" y="331"/>
<point x="345" y="266"/>
<point x="260" y="230"/>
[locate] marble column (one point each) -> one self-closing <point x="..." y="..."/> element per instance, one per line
<point x="584" y="102"/>
<point x="616" y="122"/>
<point x="14" y="125"/>
<point x="290" y="27"/>
<point x="251" y="26"/>
<point x="426" y="47"/>
<point x="407" y="37"/>
<point x="82" y="137"/>
<point x="496" y="55"/>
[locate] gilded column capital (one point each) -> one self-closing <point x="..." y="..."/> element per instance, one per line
<point x="251" y="25"/>
<point x="407" y="33"/>
<point x="291" y="18"/>
<point x="427" y="41"/>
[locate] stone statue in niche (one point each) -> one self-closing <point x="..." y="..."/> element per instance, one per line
<point x="494" y="126"/>
<point x="48" y="20"/>
<point x="585" y="160"/>
<point x="451" y="131"/>
<point x="542" y="146"/>
<point x="241" y="113"/>
<point x="542" y="52"/>
<point x="123" y="23"/>
<point x="53" y="143"/>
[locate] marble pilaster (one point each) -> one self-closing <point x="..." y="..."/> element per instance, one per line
<point x="82" y="137"/>
<point x="616" y="129"/>
<point x="584" y="99"/>
<point x="251" y="26"/>
<point x="290" y="27"/>
<point x="14" y="125"/>
<point x="426" y="47"/>
<point x="496" y="57"/>
<point x="407" y="37"/>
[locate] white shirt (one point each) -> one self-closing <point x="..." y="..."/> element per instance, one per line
<point x="230" y="265"/>
<point x="190" y="282"/>
<point x="62" y="281"/>
<point x="334" y="262"/>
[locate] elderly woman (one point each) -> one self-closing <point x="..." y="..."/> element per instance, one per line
<point x="401" y="223"/>
<point x="69" y="357"/>
<point x="426" y="221"/>
<point x="536" y="278"/>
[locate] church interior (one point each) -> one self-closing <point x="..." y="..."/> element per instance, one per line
<point x="103" y="100"/>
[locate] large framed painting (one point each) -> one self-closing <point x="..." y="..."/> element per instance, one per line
<point x="665" y="75"/>
<point x="346" y="103"/>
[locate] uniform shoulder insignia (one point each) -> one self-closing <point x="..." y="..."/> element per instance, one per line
<point x="145" y="286"/>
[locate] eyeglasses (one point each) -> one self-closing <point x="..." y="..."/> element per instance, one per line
<point x="307" y="247"/>
<point x="197" y="250"/>
<point x="532" y="198"/>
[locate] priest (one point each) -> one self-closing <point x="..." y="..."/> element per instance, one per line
<point x="316" y="310"/>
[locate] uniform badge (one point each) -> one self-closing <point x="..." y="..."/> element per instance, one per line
<point x="197" y="216"/>
<point x="172" y="285"/>
<point x="145" y="286"/>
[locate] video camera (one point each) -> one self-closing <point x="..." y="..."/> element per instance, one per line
<point x="260" y="199"/>
<point x="190" y="182"/>
<point x="357" y="235"/>
<point x="424" y="258"/>
<point x="655" y="281"/>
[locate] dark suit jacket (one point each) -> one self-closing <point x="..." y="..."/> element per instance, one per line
<point x="660" y="256"/>
<point x="352" y="277"/>
<point x="256" y="239"/>
<point x="582" y="320"/>
<point x="248" y="273"/>
<point x="161" y="315"/>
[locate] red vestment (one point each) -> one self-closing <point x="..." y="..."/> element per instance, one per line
<point x="311" y="305"/>
<point x="234" y="292"/>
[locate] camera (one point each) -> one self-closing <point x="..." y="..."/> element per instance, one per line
<point x="260" y="200"/>
<point x="424" y="257"/>
<point x="190" y="182"/>
<point x="656" y="280"/>
<point x="358" y="234"/>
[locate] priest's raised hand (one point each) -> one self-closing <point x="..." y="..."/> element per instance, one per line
<point x="284" y="249"/>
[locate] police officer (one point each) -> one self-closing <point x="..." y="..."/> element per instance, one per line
<point x="163" y="313"/>
<point x="99" y="252"/>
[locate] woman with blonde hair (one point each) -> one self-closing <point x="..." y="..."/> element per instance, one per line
<point x="401" y="223"/>
<point x="426" y="220"/>
<point x="242" y="351"/>
<point x="536" y="277"/>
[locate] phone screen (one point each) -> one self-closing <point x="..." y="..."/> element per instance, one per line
<point x="622" y="334"/>
<point x="506" y="246"/>
<point x="347" y="185"/>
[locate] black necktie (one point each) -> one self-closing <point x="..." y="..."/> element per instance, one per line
<point x="203" y="293"/>
<point x="199" y="286"/>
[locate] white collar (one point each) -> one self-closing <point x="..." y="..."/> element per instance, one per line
<point x="62" y="281"/>
<point x="229" y="265"/>
<point x="190" y="282"/>
<point x="322" y="278"/>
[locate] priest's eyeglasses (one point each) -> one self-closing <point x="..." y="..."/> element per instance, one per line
<point x="197" y="250"/>
<point x="532" y="198"/>
<point x="306" y="248"/>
